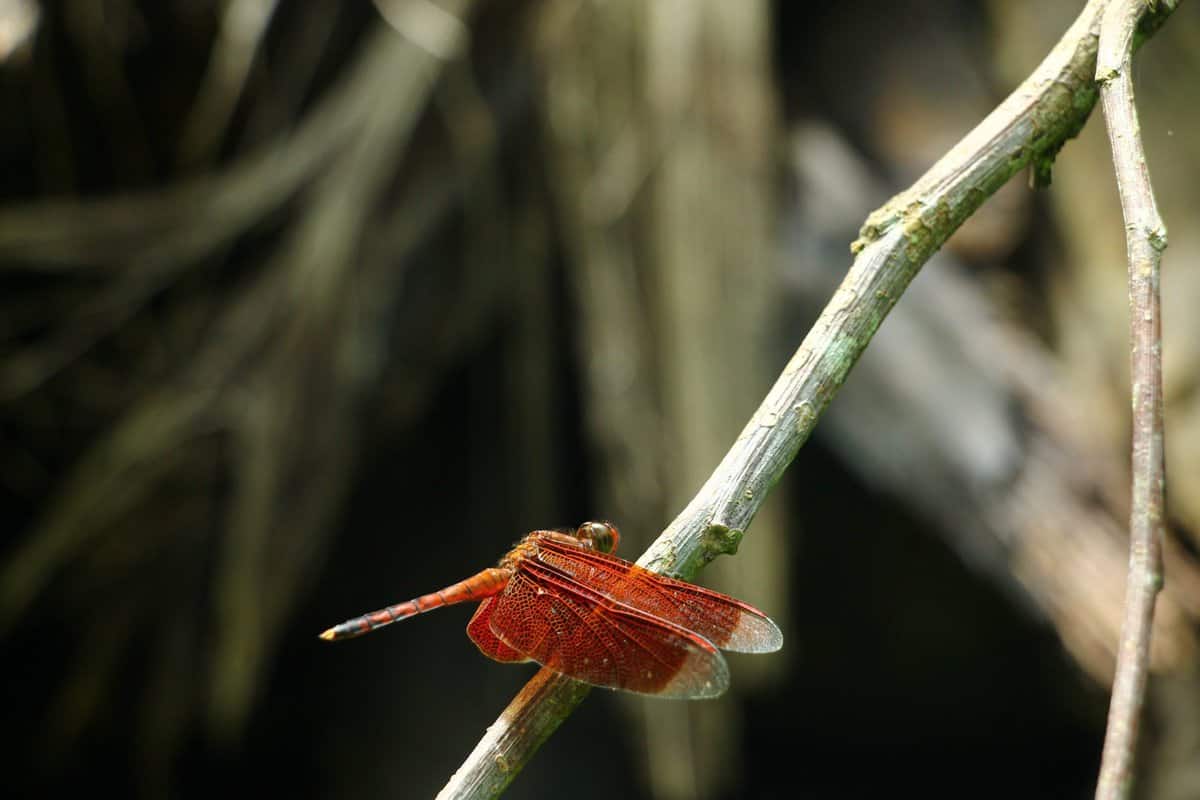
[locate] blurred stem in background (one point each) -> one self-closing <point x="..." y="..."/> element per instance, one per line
<point x="660" y="134"/>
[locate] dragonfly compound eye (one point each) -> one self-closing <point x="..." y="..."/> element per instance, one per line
<point x="603" y="536"/>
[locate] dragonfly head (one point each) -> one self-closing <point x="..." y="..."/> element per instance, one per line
<point x="601" y="536"/>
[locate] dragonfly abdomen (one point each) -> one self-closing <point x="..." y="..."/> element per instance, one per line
<point x="477" y="587"/>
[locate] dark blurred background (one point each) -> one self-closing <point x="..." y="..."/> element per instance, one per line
<point x="307" y="308"/>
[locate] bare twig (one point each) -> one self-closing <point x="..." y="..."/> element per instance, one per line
<point x="1029" y="127"/>
<point x="1005" y="470"/>
<point x="1146" y="237"/>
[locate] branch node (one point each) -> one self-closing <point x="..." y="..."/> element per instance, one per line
<point x="1155" y="580"/>
<point x="1158" y="238"/>
<point x="721" y="540"/>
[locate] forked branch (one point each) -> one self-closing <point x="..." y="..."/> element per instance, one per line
<point x="1146" y="237"/>
<point x="1029" y="127"/>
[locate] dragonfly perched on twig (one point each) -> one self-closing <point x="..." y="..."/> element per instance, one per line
<point x="564" y="600"/>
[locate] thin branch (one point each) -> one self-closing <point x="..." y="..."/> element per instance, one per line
<point x="1022" y="496"/>
<point x="1029" y="127"/>
<point x="1146" y="237"/>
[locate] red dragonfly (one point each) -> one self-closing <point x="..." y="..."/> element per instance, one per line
<point x="563" y="600"/>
